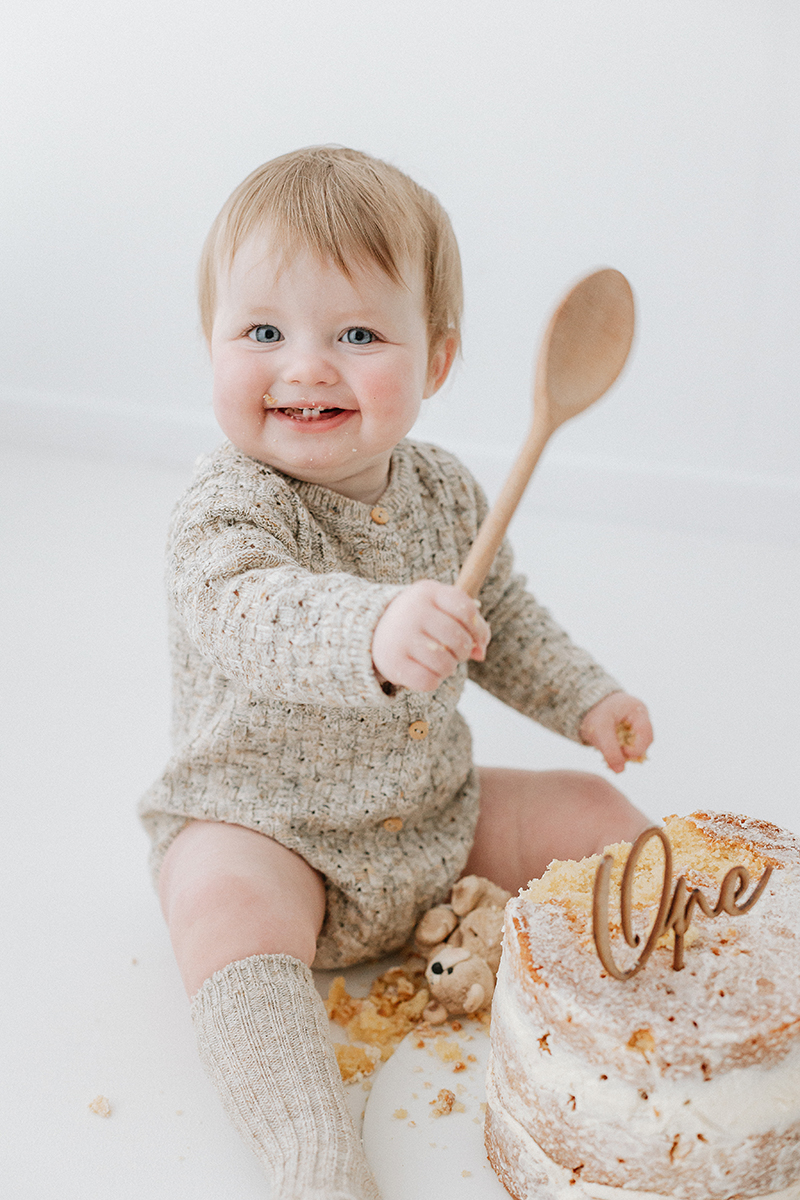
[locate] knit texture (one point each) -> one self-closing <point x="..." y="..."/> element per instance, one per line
<point x="262" y="1033"/>
<point x="280" y="724"/>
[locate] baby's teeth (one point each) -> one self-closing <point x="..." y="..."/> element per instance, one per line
<point x="310" y="414"/>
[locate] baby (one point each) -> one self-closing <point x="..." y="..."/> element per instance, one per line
<point x="321" y="795"/>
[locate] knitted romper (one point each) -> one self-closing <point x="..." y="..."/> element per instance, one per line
<point x="279" y="721"/>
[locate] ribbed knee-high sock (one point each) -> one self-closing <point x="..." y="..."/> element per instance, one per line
<point x="262" y="1032"/>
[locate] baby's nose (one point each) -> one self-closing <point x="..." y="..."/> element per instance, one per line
<point x="309" y="366"/>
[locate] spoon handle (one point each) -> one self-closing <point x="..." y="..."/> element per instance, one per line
<point x="490" y="535"/>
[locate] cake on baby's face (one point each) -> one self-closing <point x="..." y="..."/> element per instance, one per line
<point x="671" y="1083"/>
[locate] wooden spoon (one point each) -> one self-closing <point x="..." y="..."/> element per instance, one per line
<point x="583" y="350"/>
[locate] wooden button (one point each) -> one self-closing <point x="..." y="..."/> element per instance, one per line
<point x="393" y="824"/>
<point x="418" y="730"/>
<point x="379" y="515"/>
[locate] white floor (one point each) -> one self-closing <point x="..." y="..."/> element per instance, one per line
<point x="705" y="630"/>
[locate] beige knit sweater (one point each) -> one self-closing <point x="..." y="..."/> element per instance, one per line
<point x="280" y="723"/>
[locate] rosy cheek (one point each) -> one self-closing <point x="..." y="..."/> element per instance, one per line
<point x="236" y="384"/>
<point x="384" y="385"/>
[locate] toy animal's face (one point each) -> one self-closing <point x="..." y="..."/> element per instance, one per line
<point x="460" y="981"/>
<point x="442" y="967"/>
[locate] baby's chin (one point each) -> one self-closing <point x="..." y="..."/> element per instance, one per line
<point x="365" y="482"/>
<point x="341" y="468"/>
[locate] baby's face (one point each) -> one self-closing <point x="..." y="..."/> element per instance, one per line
<point x="343" y="365"/>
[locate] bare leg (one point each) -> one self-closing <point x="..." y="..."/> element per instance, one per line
<point x="244" y="914"/>
<point x="528" y="818"/>
<point x="228" y="893"/>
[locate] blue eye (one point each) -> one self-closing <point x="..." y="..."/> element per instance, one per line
<point x="358" y="336"/>
<point x="265" y="333"/>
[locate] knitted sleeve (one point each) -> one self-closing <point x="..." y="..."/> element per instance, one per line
<point x="236" y="578"/>
<point x="531" y="663"/>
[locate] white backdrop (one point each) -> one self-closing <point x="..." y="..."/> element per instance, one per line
<point x="660" y="138"/>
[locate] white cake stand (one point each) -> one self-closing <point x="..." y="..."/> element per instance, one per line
<point x="414" y="1153"/>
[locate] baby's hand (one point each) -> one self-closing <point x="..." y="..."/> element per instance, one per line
<point x="425" y="632"/>
<point x="619" y="727"/>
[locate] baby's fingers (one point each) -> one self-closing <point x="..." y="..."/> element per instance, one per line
<point x="443" y="643"/>
<point x="612" y="751"/>
<point x="634" y="731"/>
<point x="464" y="611"/>
<point x="425" y="632"/>
<point x="632" y="742"/>
<point x="619" y="727"/>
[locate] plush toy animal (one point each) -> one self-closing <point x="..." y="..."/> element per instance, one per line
<point x="460" y="982"/>
<point x="462" y="942"/>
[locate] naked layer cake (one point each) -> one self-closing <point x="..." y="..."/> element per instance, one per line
<point x="680" y="1083"/>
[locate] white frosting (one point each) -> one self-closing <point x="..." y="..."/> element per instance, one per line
<point x="563" y="1182"/>
<point x="686" y="1106"/>
<point x="601" y="1191"/>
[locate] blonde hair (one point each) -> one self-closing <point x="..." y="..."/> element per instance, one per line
<point x="351" y="209"/>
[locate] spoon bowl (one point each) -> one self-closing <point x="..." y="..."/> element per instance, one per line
<point x="583" y="350"/>
<point x="584" y="347"/>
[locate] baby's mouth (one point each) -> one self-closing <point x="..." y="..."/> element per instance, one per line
<point x="310" y="414"/>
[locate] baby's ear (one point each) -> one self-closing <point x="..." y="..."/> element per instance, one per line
<point x="440" y="363"/>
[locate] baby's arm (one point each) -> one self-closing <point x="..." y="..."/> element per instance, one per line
<point x="602" y="724"/>
<point x="263" y="618"/>
<point x="425" y="632"/>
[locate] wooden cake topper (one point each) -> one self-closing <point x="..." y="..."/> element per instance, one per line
<point x="674" y="912"/>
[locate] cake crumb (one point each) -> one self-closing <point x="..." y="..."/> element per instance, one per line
<point x="443" y="1104"/>
<point x="448" y="1051"/>
<point x="395" y="1004"/>
<point x="626" y="737"/>
<point x="643" y="1041"/>
<point x="466" y="1174"/>
<point x="101" y="1106"/>
<point x="354" y="1062"/>
<point x="400" y="1114"/>
<point x="675" y="1153"/>
<point x="340" y="1005"/>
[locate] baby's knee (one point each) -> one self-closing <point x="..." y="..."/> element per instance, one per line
<point x="215" y="899"/>
<point x="609" y="813"/>
<point x="225" y="918"/>
<point x="589" y="792"/>
<point x="601" y="792"/>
